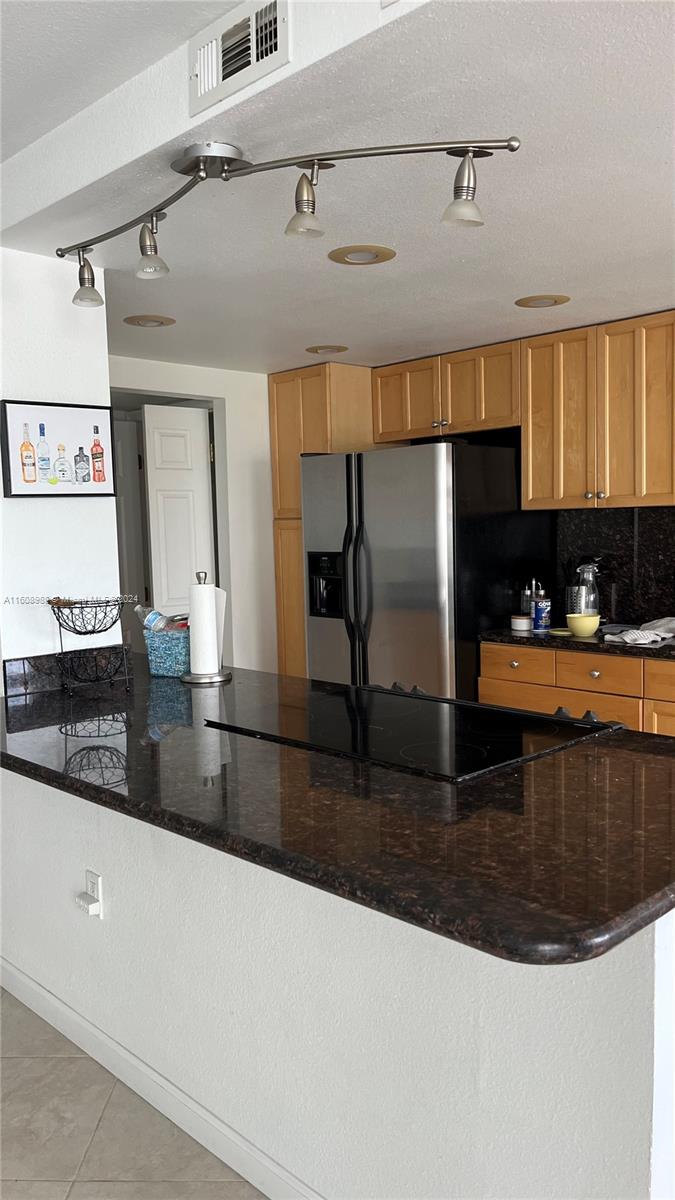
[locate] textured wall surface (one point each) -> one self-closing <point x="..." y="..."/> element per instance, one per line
<point x="370" y="1059"/>
<point x="55" y="353"/>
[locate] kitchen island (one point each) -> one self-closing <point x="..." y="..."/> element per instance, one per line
<point x="320" y="1046"/>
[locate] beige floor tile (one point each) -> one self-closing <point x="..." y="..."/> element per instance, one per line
<point x="228" y="1190"/>
<point x="33" y="1189"/>
<point x="50" y="1109"/>
<point x="25" y="1035"/>
<point x="134" y="1142"/>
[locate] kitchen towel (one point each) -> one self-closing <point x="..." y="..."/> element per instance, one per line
<point x="651" y="634"/>
<point x="207" y="621"/>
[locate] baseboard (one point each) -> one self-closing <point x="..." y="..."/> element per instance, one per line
<point x="204" y="1126"/>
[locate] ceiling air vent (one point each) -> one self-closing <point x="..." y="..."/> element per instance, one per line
<point x="241" y="47"/>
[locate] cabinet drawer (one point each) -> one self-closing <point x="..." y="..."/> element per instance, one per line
<point x="531" y="697"/>
<point x="523" y="664"/>
<point x="599" y="672"/>
<point x="659" y="717"/>
<point x="659" y="680"/>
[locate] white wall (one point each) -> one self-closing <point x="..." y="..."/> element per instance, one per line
<point x="363" y="1057"/>
<point x="243" y="491"/>
<point x="55" y="353"/>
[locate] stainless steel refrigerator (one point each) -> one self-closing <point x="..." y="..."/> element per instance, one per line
<point x="409" y="554"/>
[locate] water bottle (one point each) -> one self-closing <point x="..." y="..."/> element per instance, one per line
<point x="151" y="619"/>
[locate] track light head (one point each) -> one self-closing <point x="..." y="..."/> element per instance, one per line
<point x="150" y="265"/>
<point x="463" y="209"/>
<point x="86" y="295"/>
<point x="304" y="221"/>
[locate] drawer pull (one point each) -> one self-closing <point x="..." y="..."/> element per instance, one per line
<point x="514" y="663"/>
<point x="594" y="674"/>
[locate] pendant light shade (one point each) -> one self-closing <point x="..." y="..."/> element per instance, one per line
<point x="463" y="212"/>
<point x="463" y="209"/>
<point x="150" y="265"/>
<point x="304" y="220"/>
<point x="86" y="295"/>
<point x="305" y="224"/>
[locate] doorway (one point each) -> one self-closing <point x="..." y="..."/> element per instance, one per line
<point x="166" y="516"/>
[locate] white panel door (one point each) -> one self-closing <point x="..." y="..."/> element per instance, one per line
<point x="180" y="509"/>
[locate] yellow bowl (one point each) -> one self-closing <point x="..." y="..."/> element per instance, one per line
<point x="582" y="626"/>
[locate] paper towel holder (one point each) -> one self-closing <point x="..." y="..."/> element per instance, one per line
<point x="213" y="677"/>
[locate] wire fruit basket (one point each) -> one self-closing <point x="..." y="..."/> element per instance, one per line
<point x="84" y="618"/>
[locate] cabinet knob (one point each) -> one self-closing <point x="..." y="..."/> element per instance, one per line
<point x="588" y="495"/>
<point x="594" y="674"/>
<point x="514" y="663"/>
<point x="444" y="422"/>
<point x="601" y="495"/>
<point x="435" y="424"/>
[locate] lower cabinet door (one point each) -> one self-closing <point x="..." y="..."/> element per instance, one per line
<point x="660" y="717"/>
<point x="533" y="698"/>
<point x="290" y="584"/>
<point x="660" y="679"/>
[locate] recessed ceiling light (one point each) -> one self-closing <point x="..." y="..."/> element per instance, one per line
<point x="326" y="349"/>
<point x="149" y="321"/>
<point x="544" y="301"/>
<point x="361" y="256"/>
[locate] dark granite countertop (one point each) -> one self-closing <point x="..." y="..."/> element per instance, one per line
<point x="549" y="641"/>
<point x="553" y="861"/>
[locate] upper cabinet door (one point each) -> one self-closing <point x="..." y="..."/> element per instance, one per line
<point x="480" y="388"/>
<point x="407" y="400"/>
<point x="299" y="421"/>
<point x="636" y="412"/>
<point x="558" y="408"/>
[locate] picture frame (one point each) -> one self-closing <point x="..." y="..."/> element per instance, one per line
<point x="62" y="454"/>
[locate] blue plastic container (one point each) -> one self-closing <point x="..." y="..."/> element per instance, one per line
<point x="168" y="652"/>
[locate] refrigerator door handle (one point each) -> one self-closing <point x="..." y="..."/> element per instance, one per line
<point x="360" y="580"/>
<point x="348" y="585"/>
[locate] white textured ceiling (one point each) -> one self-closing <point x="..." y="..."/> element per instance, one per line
<point x="58" y="56"/>
<point x="586" y="207"/>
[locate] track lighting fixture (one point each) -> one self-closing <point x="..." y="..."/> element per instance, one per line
<point x="223" y="161"/>
<point x="150" y="265"/>
<point x="86" y="295"/>
<point x="304" y="221"/>
<point x="463" y="209"/>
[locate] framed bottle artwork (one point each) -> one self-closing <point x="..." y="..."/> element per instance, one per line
<point x="56" y="450"/>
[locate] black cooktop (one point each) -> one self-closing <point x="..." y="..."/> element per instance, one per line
<point x="450" y="740"/>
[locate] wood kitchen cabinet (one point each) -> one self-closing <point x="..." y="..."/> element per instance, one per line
<point x="406" y="400"/>
<point x="636" y="412"/>
<point x="639" y="693"/>
<point x="480" y="388"/>
<point x="314" y="410"/>
<point x="558" y="410"/>
<point x="290" y="596"/>
<point x="598" y="415"/>
<point x="659" y="717"/>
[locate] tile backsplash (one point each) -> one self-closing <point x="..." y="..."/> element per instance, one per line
<point x="637" y="547"/>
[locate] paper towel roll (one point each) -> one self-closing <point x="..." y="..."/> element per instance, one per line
<point x="204" y="657"/>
